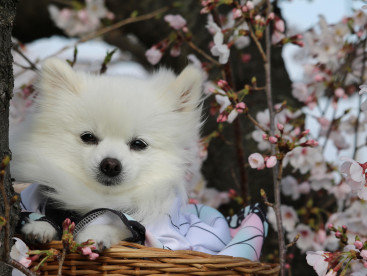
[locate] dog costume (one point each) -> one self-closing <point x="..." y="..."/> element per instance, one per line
<point x="187" y="227"/>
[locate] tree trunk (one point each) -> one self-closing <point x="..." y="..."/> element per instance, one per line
<point x="7" y="15"/>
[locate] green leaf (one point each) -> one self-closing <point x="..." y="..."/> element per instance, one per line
<point x="134" y="13"/>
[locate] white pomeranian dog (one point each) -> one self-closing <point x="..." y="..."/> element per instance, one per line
<point x="108" y="142"/>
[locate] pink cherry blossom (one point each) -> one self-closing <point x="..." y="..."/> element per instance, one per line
<point x="25" y="262"/>
<point x="93" y="256"/>
<point x="364" y="254"/>
<point x="256" y="161"/>
<point x="300" y="91"/>
<point x="289" y="187"/>
<point x="19" y="252"/>
<point x="271" y="16"/>
<point x="303" y="159"/>
<point x="331" y="273"/>
<point x="317" y="261"/>
<point x="153" y="55"/>
<point x="307" y="236"/>
<point x="354" y="176"/>
<point x="222" y="84"/>
<point x="237" y="13"/>
<point x="175" y="51"/>
<point x="289" y="218"/>
<point x="219" y="48"/>
<point x="86" y="250"/>
<point x="363" y="89"/>
<point x="222" y="51"/>
<point x="177" y="22"/>
<point x="279" y="25"/>
<point x="250" y="5"/>
<point x="304" y="187"/>
<point x="341" y="191"/>
<point x="271" y="161"/>
<point x="277" y="37"/>
<point x="339" y="92"/>
<point x="232" y="116"/>
<point x="223" y="101"/>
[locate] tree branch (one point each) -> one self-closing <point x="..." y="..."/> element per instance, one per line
<point x="114" y="27"/>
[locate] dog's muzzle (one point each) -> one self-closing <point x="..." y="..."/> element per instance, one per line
<point x="110" y="171"/>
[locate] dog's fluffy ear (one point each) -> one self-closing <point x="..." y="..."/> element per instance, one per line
<point x="188" y="86"/>
<point x="57" y="75"/>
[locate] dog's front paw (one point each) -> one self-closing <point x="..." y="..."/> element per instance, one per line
<point x="103" y="235"/>
<point x="39" y="231"/>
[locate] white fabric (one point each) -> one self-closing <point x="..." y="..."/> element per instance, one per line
<point x="196" y="227"/>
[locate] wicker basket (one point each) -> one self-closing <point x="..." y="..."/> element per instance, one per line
<point x="134" y="259"/>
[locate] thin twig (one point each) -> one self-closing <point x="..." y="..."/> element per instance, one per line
<point x="106" y="30"/>
<point x="265" y="198"/>
<point x="240" y="151"/>
<point x="20" y="267"/>
<point x="201" y="52"/>
<point x="278" y="215"/>
<point x="328" y="132"/>
<point x="278" y="169"/>
<point x="114" y="27"/>
<point x="256" y="123"/>
<point x="293" y="242"/>
<point x="243" y="20"/>
<point x="257" y="42"/>
<point x="61" y="261"/>
<point x="22" y="66"/>
<point x="32" y="65"/>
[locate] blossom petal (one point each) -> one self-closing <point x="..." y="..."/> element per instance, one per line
<point x="317" y="261"/>
<point x="356" y="172"/>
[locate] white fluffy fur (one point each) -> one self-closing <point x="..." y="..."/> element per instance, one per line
<point x="40" y="231"/>
<point x="103" y="235"/>
<point x="163" y="110"/>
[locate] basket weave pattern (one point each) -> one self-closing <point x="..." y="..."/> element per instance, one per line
<point x="134" y="259"/>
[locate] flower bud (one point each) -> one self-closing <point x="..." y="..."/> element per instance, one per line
<point x="222" y="83"/>
<point x="240" y="107"/>
<point x="86" y="250"/>
<point x="93" y="256"/>
<point x="273" y="140"/>
<point x="358" y="244"/>
<point x="280" y="127"/>
<point x="66" y="224"/>
<point x="312" y="143"/>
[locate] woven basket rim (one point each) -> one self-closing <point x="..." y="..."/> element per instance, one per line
<point x="128" y="258"/>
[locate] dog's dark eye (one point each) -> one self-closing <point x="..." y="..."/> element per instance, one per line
<point x="89" y="138"/>
<point x="138" y="144"/>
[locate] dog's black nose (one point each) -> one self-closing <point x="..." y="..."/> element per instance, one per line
<point x="110" y="167"/>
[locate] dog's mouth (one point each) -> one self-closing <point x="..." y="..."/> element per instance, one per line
<point x="108" y="181"/>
